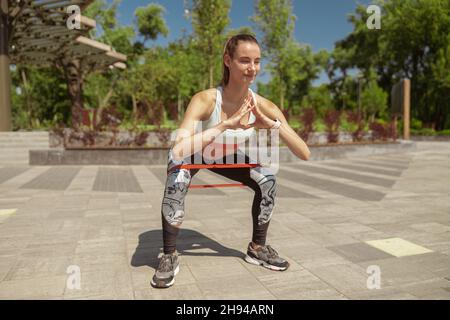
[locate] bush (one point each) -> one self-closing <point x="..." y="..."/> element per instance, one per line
<point x="443" y="132"/>
<point x="356" y="119"/>
<point x="307" y="119"/>
<point x="423" y="132"/>
<point x="332" y="121"/>
<point x="383" y="131"/>
<point x="416" y="124"/>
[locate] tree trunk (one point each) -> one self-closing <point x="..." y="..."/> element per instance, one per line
<point x="179" y="106"/>
<point x="75" y="88"/>
<point x="211" y="76"/>
<point x="5" y="75"/>
<point x="133" y="99"/>
<point x="27" y="98"/>
<point x="282" y="98"/>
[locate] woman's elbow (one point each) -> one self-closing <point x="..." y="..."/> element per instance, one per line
<point x="305" y="155"/>
<point x="177" y="153"/>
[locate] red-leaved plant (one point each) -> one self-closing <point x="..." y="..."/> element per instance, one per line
<point x="356" y="118"/>
<point x="332" y="121"/>
<point x="307" y="118"/>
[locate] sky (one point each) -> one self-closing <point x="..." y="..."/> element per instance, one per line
<point x="320" y="23"/>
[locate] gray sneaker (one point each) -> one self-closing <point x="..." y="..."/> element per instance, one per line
<point x="267" y="257"/>
<point x="167" y="270"/>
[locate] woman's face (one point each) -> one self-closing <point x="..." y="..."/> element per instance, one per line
<point x="245" y="64"/>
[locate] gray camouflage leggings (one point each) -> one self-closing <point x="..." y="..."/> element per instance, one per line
<point x="176" y="188"/>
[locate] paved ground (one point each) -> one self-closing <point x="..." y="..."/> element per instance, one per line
<point x="342" y="224"/>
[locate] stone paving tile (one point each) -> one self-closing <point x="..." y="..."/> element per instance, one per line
<point x="116" y="180"/>
<point x="286" y="285"/>
<point x="434" y="262"/>
<point x="51" y="250"/>
<point x="114" y="245"/>
<point x="388" y="293"/>
<point x="383" y="164"/>
<point x="342" y="277"/>
<point x="437" y="288"/>
<point x="33" y="288"/>
<point x="84" y="180"/>
<point x="397" y="271"/>
<point x="312" y="256"/>
<point x="39" y="267"/>
<point x="98" y="261"/>
<point x="333" y="186"/>
<point x="346" y="175"/>
<point x="234" y="288"/>
<point x="179" y="292"/>
<point x="55" y="178"/>
<point x="358" y="252"/>
<point x="398" y="247"/>
<point x="146" y="179"/>
<point x="7" y="262"/>
<point x="115" y="281"/>
<point x="10" y="172"/>
<point x="217" y="267"/>
<point x="15" y="183"/>
<point x="431" y="227"/>
<point x="393" y="173"/>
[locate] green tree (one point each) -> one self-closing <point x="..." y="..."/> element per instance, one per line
<point x="39" y="97"/>
<point x="412" y="43"/>
<point x="373" y="100"/>
<point x="318" y="98"/>
<point x="209" y="20"/>
<point x="275" y="20"/>
<point x="150" y="21"/>
<point x="101" y="86"/>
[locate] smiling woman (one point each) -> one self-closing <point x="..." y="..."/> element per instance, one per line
<point x="232" y="110"/>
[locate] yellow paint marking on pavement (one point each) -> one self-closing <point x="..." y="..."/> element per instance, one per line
<point x="398" y="247"/>
<point x="7" y="212"/>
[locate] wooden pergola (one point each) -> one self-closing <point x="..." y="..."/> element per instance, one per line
<point x="37" y="32"/>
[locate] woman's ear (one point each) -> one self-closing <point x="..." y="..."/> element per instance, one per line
<point x="227" y="60"/>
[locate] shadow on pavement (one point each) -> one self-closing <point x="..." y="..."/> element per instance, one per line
<point x="189" y="243"/>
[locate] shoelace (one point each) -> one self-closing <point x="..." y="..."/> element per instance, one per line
<point x="272" y="252"/>
<point x="165" y="265"/>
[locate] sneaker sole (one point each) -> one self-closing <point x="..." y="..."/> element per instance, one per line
<point x="169" y="284"/>
<point x="263" y="263"/>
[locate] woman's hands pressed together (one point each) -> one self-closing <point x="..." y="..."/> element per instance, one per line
<point x="261" y="122"/>
<point x="235" y="121"/>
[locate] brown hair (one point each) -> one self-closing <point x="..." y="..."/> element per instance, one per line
<point x="230" y="49"/>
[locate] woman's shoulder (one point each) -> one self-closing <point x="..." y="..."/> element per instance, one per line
<point x="264" y="103"/>
<point x="204" y="101"/>
<point x="207" y="95"/>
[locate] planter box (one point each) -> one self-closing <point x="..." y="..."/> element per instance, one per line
<point x="104" y="138"/>
<point x="430" y="138"/>
<point x="162" y="140"/>
<point x="158" y="156"/>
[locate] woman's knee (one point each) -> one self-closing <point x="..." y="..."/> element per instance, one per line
<point x="177" y="185"/>
<point x="267" y="184"/>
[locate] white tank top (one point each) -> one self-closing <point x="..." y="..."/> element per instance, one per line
<point x="230" y="138"/>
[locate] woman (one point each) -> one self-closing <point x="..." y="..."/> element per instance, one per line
<point x="231" y="110"/>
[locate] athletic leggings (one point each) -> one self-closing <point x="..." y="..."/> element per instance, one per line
<point x="178" y="180"/>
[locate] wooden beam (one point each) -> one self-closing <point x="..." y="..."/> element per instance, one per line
<point x="92" y="43"/>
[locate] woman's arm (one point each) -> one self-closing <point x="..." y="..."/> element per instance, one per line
<point x="267" y="112"/>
